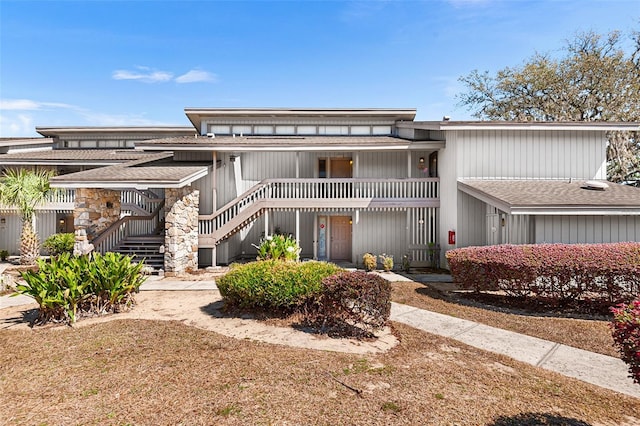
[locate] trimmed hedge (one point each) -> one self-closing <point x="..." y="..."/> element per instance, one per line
<point x="608" y="272"/>
<point x="274" y="285"/>
<point x="355" y="298"/>
<point x="626" y="335"/>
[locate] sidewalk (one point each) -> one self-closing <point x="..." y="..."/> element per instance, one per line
<point x="600" y="370"/>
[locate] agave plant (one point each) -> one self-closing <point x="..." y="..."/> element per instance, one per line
<point x="26" y="190"/>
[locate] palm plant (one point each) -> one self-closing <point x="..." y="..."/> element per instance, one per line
<point x="26" y="190"/>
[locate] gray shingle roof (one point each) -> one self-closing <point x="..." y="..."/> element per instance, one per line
<point x="553" y="195"/>
<point x="65" y="156"/>
<point x="155" y="170"/>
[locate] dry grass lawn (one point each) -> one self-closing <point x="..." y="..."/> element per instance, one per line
<point x="167" y="373"/>
<point x="591" y="335"/>
<point x="144" y="372"/>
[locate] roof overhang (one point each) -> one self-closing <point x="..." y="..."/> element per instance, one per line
<point x="14" y="142"/>
<point x="119" y="130"/>
<point x="602" y="126"/>
<point x="156" y="172"/>
<point x="288" y="144"/>
<point x="196" y="115"/>
<point x="554" y="197"/>
<point x="128" y="183"/>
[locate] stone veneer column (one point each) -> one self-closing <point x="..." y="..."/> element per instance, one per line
<point x="95" y="210"/>
<point x="181" y="230"/>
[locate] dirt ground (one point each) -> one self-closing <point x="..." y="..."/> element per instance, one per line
<point x="176" y="358"/>
<point x="202" y="309"/>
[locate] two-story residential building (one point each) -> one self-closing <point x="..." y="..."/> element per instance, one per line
<point x="348" y="181"/>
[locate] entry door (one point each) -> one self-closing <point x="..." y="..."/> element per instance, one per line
<point x="341" y="168"/>
<point x="493" y="229"/>
<point x="340" y="238"/>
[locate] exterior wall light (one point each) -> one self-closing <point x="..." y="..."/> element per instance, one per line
<point x="422" y="165"/>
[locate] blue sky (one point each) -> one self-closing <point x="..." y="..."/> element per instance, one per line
<point x="112" y="63"/>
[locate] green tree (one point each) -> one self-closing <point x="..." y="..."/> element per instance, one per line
<point x="595" y="78"/>
<point x="26" y="190"/>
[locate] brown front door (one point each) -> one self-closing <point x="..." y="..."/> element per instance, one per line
<point x="341" y="238"/>
<point x="341" y="168"/>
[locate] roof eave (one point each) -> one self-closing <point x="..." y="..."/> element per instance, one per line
<point x="582" y="210"/>
<point x="297" y="148"/>
<point x="511" y="125"/>
<point x="125" y="184"/>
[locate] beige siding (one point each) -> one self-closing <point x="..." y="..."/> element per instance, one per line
<point x="586" y="229"/>
<point x="495" y="154"/>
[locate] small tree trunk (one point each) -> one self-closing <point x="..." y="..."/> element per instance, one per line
<point x="29" y="244"/>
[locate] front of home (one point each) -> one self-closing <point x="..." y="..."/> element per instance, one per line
<point x="343" y="182"/>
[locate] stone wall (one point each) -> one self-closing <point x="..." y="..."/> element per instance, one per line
<point x="95" y="210"/>
<point x="181" y="230"/>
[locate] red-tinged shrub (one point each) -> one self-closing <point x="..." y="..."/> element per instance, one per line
<point x="353" y="303"/>
<point x="608" y="272"/>
<point x="626" y="335"/>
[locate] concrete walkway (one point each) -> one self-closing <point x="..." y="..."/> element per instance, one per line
<point x="600" y="370"/>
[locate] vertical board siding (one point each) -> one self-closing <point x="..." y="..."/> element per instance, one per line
<point x="586" y="229"/>
<point x="508" y="154"/>
<point x="380" y="232"/>
<point x="472" y="221"/>
<point x="205" y="186"/>
<point x="286" y="221"/>
<point x="392" y="164"/>
<point x="518" y="229"/>
<point x="10" y="233"/>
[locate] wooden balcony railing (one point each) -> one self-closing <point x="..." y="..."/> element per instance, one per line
<point x="317" y="194"/>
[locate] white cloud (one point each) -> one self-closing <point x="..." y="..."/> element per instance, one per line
<point x="16" y="125"/>
<point x="148" y="75"/>
<point x="29" y="105"/>
<point x="196" y="76"/>
<point x="144" y="74"/>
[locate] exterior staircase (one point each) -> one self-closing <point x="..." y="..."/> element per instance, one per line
<point x="145" y="247"/>
<point x="315" y="195"/>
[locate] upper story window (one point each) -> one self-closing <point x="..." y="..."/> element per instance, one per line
<point x="301" y="129"/>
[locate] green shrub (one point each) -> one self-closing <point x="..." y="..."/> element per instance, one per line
<point x="274" y="285"/>
<point x="354" y="299"/>
<point x="369" y="261"/>
<point x="4" y="255"/>
<point x="69" y="285"/>
<point x="278" y="247"/>
<point x="387" y="262"/>
<point x="59" y="243"/>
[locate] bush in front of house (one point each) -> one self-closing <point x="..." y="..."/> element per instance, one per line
<point x="57" y="244"/>
<point x="607" y="272"/>
<point x="354" y="299"/>
<point x="278" y="247"/>
<point x="273" y="285"/>
<point x="69" y="286"/>
<point x="625" y="328"/>
<point x="369" y="261"/>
